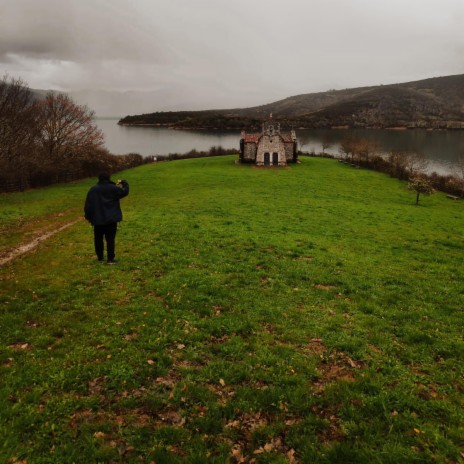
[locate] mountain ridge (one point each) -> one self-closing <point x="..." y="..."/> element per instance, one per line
<point x="433" y="103"/>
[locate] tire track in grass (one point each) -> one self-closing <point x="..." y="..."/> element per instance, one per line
<point x="26" y="247"/>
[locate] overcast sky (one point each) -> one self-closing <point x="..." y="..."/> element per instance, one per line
<point x="223" y="54"/>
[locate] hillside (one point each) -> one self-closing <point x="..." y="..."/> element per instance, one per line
<point x="436" y="103"/>
<point x="311" y="314"/>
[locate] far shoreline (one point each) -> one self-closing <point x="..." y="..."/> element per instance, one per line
<point x="345" y="127"/>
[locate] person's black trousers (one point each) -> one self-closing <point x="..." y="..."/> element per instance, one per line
<point x="107" y="232"/>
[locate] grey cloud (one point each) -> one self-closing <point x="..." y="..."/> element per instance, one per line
<point x="207" y="53"/>
<point x="77" y="31"/>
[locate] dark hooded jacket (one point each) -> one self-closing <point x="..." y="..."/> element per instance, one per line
<point x="102" y="202"/>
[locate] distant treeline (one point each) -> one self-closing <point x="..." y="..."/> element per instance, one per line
<point x="403" y="165"/>
<point x="49" y="140"/>
<point x="48" y="174"/>
<point x="213" y="151"/>
<point x="210" y="120"/>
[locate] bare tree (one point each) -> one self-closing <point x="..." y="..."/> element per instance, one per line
<point x="405" y="164"/>
<point x="365" y="148"/>
<point x="348" y="147"/>
<point x="302" y="141"/>
<point x="326" y="143"/>
<point x="68" y="131"/>
<point x="415" y="163"/>
<point x="396" y="160"/>
<point x="460" y="172"/>
<point x="18" y="125"/>
<point x="46" y="140"/>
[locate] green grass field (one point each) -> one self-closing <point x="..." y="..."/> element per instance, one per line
<point x="312" y="314"/>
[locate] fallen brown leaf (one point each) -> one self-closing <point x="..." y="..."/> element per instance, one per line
<point x="268" y="447"/>
<point x="291" y="456"/>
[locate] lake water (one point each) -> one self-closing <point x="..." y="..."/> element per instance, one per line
<point x="161" y="141"/>
<point x="441" y="148"/>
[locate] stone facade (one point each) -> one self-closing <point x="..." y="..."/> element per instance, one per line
<point x="270" y="148"/>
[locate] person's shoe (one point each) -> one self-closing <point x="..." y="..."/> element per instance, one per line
<point x="111" y="261"/>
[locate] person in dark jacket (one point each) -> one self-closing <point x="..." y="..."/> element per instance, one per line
<point x="103" y="211"/>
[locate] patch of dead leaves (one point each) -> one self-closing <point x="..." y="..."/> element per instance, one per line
<point x="248" y="422"/>
<point x="274" y="445"/>
<point x="223" y="391"/>
<point x="157" y="297"/>
<point x="20" y="346"/>
<point x="169" y="380"/>
<point x="219" y="340"/>
<point x="332" y="433"/>
<point x="315" y="346"/>
<point x="33" y="324"/>
<point x="135" y="417"/>
<point x="325" y="287"/>
<point x="427" y="392"/>
<point x="95" y="386"/>
<point x="171" y="417"/>
<point x="140" y="392"/>
<point x="131" y="336"/>
<point x="8" y="363"/>
<point x="87" y="416"/>
<point x="265" y="280"/>
<point x="374" y="349"/>
<point x="217" y="310"/>
<point x="114" y="442"/>
<point x="337" y="367"/>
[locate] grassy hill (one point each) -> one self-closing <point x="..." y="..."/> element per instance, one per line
<point x="307" y="314"/>
<point x="436" y="103"/>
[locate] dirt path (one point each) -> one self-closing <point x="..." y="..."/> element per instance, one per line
<point x="26" y="247"/>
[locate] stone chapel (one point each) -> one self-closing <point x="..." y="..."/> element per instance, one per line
<point x="271" y="147"/>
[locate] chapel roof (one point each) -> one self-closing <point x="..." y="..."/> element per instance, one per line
<point x="288" y="138"/>
<point x="253" y="138"/>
